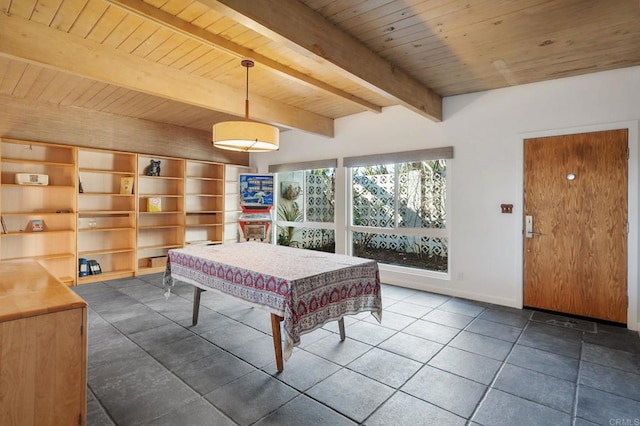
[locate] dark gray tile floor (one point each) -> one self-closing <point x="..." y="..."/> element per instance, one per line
<point x="434" y="360"/>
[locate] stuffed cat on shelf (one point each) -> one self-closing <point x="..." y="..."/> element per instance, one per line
<point x="153" y="169"/>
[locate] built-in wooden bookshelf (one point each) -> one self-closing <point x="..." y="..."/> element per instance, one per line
<point x="161" y="212"/>
<point x="204" y="202"/>
<point x="38" y="219"/>
<point x="96" y="203"/>
<point x="107" y="212"/>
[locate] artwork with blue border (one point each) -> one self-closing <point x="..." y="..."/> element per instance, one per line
<point x="256" y="189"/>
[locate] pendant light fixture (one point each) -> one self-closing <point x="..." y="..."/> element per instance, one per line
<point x="246" y="136"/>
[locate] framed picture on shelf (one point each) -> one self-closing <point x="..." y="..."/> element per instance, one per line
<point x="37" y="225"/>
<point x="126" y="185"/>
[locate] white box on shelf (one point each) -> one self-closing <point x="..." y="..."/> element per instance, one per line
<point x="31" y="179"/>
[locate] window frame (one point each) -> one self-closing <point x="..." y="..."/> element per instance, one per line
<point x="304" y="224"/>
<point x="351" y="228"/>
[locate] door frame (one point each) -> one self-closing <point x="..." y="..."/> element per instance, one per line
<point x="633" y="207"/>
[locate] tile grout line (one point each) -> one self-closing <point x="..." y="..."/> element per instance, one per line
<point x="395" y="390"/>
<point x="576" y="394"/>
<point x="106" y="412"/>
<point x="345" y="367"/>
<point x="168" y="370"/>
<point x="529" y="322"/>
<point x="398" y="390"/>
<point x="416" y="319"/>
<point x="495" y="378"/>
<point x="258" y="368"/>
<point x="426" y="363"/>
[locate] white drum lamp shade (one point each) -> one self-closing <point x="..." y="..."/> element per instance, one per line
<point x="246" y="136"/>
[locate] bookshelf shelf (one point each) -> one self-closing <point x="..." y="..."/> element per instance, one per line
<point x="106" y="212"/>
<point x="204" y="201"/>
<point x="159" y="231"/>
<point x="28" y="207"/>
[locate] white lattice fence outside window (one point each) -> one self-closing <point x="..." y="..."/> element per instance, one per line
<point x="319" y="197"/>
<point x="306" y="215"/>
<point x="422" y="202"/>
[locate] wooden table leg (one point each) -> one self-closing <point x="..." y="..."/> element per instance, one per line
<point x="341" y="328"/>
<point x="196" y="304"/>
<point x="277" y="340"/>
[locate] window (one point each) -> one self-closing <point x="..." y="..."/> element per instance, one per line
<point x="305" y="208"/>
<point x="399" y="211"/>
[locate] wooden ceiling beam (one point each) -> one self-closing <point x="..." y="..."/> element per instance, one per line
<point x="173" y="23"/>
<point x="30" y="41"/>
<point x="301" y="28"/>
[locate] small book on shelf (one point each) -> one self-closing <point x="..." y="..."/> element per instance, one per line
<point x="126" y="185"/>
<point x="154" y="204"/>
<point x="4" y="226"/>
<point x="94" y="267"/>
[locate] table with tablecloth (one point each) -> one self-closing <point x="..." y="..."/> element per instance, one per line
<point x="303" y="288"/>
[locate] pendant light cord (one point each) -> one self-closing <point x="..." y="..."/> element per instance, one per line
<point x="246" y="100"/>
<point x="247" y="63"/>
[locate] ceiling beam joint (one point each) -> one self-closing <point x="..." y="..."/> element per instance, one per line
<point x="36" y="43"/>
<point x="173" y="23"/>
<point x="309" y="33"/>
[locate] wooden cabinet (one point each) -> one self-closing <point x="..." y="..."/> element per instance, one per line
<point x="204" y="202"/>
<point x="161" y="213"/>
<point x="107" y="212"/>
<point x="43" y="348"/>
<point x="39" y="219"/>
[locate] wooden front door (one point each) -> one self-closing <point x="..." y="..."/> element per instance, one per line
<point x="575" y="195"/>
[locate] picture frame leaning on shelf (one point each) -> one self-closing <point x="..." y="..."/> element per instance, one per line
<point x="126" y="185"/>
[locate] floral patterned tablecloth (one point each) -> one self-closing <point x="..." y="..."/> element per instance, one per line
<point x="307" y="288"/>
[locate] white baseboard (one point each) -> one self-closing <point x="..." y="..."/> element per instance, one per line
<point x="425" y="286"/>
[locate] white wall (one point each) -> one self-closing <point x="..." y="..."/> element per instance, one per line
<point x="487" y="131"/>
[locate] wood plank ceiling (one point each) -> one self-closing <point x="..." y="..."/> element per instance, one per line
<point x="177" y="61"/>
